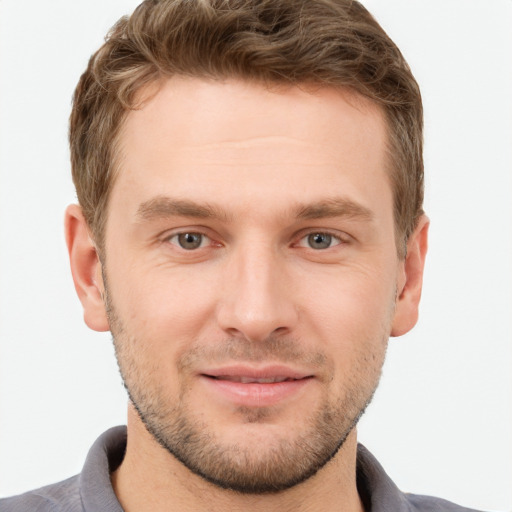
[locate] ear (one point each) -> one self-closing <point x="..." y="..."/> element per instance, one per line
<point x="411" y="280"/>
<point x="86" y="269"/>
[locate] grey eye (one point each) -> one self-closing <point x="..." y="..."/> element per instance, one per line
<point x="319" y="240"/>
<point x="190" y="241"/>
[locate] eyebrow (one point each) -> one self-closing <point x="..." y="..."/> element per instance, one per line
<point x="335" y="207"/>
<point x="162" y="207"/>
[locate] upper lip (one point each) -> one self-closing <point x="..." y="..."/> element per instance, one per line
<point x="269" y="373"/>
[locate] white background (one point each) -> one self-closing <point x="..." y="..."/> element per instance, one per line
<point x="441" y="421"/>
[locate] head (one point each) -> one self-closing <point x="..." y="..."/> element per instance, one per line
<point x="333" y="43"/>
<point x="250" y="183"/>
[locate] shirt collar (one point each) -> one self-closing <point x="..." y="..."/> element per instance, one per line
<point x="104" y="457"/>
<point x="378" y="492"/>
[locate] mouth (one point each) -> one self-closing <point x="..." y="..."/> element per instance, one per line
<point x="269" y="374"/>
<point x="250" y="387"/>
<point x="252" y="380"/>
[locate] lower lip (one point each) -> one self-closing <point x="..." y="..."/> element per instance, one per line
<point x="255" y="394"/>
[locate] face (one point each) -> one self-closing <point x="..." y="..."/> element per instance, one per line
<point x="251" y="274"/>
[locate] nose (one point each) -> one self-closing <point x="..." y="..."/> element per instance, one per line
<point x="257" y="295"/>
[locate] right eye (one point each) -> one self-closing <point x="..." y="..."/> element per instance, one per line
<point x="189" y="240"/>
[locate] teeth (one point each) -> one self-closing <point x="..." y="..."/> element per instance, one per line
<point x="251" y="380"/>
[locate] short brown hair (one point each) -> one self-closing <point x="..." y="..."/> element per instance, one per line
<point x="335" y="43"/>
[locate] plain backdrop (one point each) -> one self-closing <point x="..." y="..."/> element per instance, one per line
<point x="441" y="422"/>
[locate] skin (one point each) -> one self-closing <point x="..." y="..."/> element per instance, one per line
<point x="257" y="173"/>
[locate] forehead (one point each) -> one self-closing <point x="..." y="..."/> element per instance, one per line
<point x="225" y="138"/>
<point x="199" y="112"/>
<point x="207" y="97"/>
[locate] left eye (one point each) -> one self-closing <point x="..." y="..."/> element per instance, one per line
<point x="319" y="241"/>
<point x="189" y="241"/>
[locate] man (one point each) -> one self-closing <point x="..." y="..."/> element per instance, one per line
<point x="251" y="231"/>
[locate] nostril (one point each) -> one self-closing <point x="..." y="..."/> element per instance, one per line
<point x="257" y="316"/>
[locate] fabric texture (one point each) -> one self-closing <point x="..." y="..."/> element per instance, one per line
<point x="91" y="490"/>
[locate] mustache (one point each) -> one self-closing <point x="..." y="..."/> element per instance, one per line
<point x="283" y="350"/>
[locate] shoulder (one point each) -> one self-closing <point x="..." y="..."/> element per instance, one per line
<point x="380" y="494"/>
<point x="59" y="497"/>
<point x="418" y="503"/>
<point x="91" y="490"/>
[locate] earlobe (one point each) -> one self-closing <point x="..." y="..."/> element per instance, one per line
<point x="85" y="268"/>
<point x="409" y="291"/>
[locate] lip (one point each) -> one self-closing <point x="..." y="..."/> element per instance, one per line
<point x="250" y="387"/>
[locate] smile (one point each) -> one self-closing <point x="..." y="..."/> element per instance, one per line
<point x="249" y="387"/>
<point x="250" y="380"/>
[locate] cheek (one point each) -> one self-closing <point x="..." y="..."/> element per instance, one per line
<point x="166" y="307"/>
<point x="354" y="327"/>
<point x="157" y="321"/>
<point x="356" y="308"/>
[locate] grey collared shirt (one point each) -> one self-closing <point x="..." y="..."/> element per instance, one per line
<point x="91" y="490"/>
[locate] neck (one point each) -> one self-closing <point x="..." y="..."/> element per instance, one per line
<point x="151" y="479"/>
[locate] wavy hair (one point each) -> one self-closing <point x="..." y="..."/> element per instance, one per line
<point x="335" y="43"/>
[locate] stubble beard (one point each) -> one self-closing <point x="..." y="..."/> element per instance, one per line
<point x="251" y="468"/>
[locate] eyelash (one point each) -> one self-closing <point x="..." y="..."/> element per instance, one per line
<point x="340" y="240"/>
<point x="332" y="237"/>
<point x="176" y="236"/>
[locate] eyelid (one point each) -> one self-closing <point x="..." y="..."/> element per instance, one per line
<point x="204" y="240"/>
<point x="342" y="237"/>
<point x="168" y="235"/>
